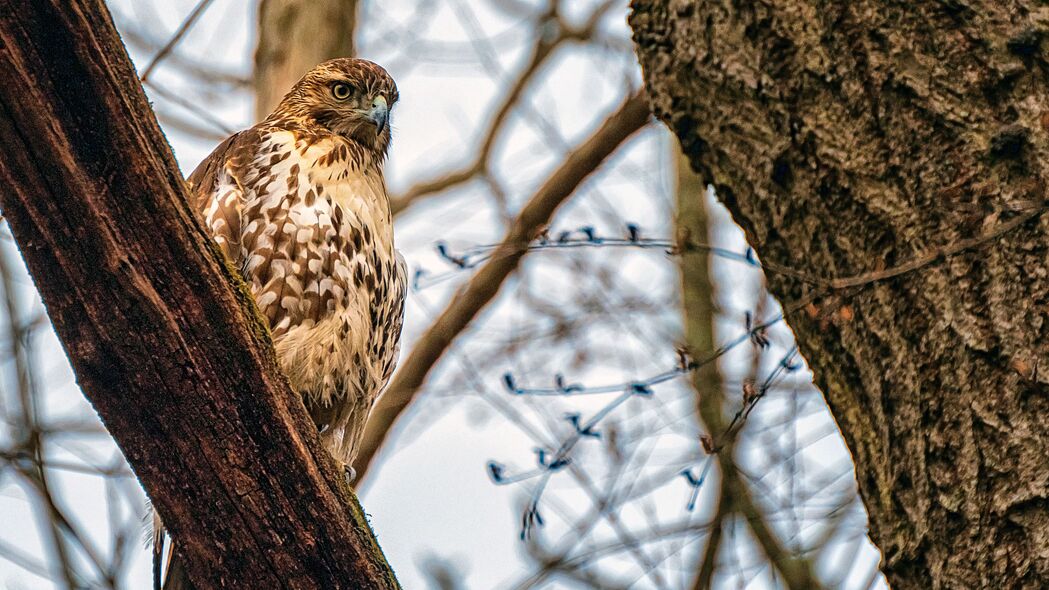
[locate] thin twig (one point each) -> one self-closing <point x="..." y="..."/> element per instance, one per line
<point x="543" y="49"/>
<point x="921" y="261"/>
<point x="184" y="28"/>
<point x="483" y="287"/>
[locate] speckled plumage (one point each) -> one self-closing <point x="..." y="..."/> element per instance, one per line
<point x="298" y="203"/>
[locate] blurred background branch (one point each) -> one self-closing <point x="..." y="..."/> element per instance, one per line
<point x="294" y="36"/>
<point x="485" y="285"/>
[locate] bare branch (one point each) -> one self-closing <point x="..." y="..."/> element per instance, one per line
<point x="484" y="286"/>
<point x="545" y="45"/>
<point x="204" y="73"/>
<point x="180" y="33"/>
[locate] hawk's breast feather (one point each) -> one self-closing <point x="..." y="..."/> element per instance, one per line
<point x="306" y="218"/>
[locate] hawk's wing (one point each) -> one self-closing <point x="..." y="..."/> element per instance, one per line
<point x="218" y="192"/>
<point x="293" y="249"/>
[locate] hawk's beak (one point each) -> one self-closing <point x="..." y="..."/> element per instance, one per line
<point x="379" y="114"/>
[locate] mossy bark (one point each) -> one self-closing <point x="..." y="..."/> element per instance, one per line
<point x="847" y="137"/>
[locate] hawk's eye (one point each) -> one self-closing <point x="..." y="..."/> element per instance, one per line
<point x="340" y="91"/>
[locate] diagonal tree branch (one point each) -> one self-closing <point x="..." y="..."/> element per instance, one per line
<point x="177" y="38"/>
<point x="484" y="286"/>
<point x="544" y="48"/>
<point x="177" y="363"/>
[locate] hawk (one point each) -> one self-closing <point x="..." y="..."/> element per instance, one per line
<point x="298" y="204"/>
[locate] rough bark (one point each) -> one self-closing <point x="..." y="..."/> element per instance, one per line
<point x="848" y="137"/>
<point x="294" y="36"/>
<point x="174" y="359"/>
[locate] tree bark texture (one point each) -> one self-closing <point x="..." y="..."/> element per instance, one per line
<point x="294" y="36"/>
<point x="905" y="145"/>
<point x="177" y="363"/>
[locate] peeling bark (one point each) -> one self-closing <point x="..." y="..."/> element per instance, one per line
<point x="847" y="137"/>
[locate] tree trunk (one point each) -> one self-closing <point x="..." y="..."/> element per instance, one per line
<point x="904" y="145"/>
<point x="294" y="36"/>
<point x="177" y="363"/>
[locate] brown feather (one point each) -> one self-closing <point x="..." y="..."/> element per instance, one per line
<point x="298" y="203"/>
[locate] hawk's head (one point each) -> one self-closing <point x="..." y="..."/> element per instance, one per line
<point x="348" y="96"/>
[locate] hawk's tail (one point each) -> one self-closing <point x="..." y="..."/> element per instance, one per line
<point x="172" y="574"/>
<point x="176" y="578"/>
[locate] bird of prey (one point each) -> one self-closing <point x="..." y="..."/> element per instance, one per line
<point x="298" y="204"/>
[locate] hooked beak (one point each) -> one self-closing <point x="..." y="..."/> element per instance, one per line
<point x="379" y="114"/>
